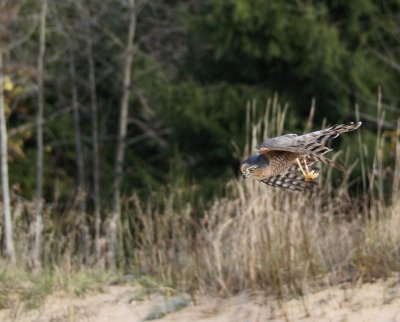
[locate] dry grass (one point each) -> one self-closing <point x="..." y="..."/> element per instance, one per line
<point x="262" y="239"/>
<point x="254" y="238"/>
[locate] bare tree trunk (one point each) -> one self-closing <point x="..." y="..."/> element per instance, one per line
<point x="39" y="139"/>
<point x="8" y="230"/>
<point x="123" y="124"/>
<point x="80" y="165"/>
<point x="95" y="141"/>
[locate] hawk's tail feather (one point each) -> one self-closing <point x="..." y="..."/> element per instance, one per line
<point x="317" y="148"/>
<point x="332" y="132"/>
<point x="314" y="142"/>
<point x="290" y="180"/>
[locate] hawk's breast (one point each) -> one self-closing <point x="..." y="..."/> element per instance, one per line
<point x="279" y="161"/>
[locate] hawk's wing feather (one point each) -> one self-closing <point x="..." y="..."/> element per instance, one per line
<point x="291" y="180"/>
<point x="310" y="143"/>
<point x="287" y="142"/>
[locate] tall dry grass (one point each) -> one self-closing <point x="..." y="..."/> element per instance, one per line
<point x="263" y="239"/>
<point x="253" y="237"/>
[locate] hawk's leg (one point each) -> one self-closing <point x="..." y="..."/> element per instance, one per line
<point x="308" y="175"/>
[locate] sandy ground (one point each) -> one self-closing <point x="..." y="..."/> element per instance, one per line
<point x="369" y="302"/>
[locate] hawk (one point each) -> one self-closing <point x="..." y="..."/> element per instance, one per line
<point x="280" y="160"/>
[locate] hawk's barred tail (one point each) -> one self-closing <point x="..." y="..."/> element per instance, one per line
<point x="332" y="132"/>
<point x="314" y="142"/>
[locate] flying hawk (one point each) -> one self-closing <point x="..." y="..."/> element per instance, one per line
<point x="280" y="160"/>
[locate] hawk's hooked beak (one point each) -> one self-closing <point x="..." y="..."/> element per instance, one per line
<point x="245" y="175"/>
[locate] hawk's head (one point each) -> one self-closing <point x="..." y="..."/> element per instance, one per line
<point x="255" y="166"/>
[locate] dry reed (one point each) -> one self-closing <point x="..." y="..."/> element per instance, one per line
<point x="254" y="237"/>
<point x="262" y="239"/>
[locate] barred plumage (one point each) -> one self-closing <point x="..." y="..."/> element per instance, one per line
<point x="279" y="159"/>
<point x="290" y="180"/>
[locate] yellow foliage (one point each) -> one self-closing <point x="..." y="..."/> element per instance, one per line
<point x="8" y="85"/>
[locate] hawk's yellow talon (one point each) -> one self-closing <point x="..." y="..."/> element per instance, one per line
<point x="308" y="175"/>
<point x="311" y="176"/>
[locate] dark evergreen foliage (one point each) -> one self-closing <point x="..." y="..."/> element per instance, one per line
<point x="196" y="66"/>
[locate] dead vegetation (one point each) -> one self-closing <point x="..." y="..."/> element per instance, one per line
<point x="253" y="238"/>
<point x="264" y="239"/>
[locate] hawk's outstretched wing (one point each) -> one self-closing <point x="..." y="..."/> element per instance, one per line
<point x="310" y="143"/>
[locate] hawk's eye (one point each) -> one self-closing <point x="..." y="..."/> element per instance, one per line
<point x="251" y="169"/>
